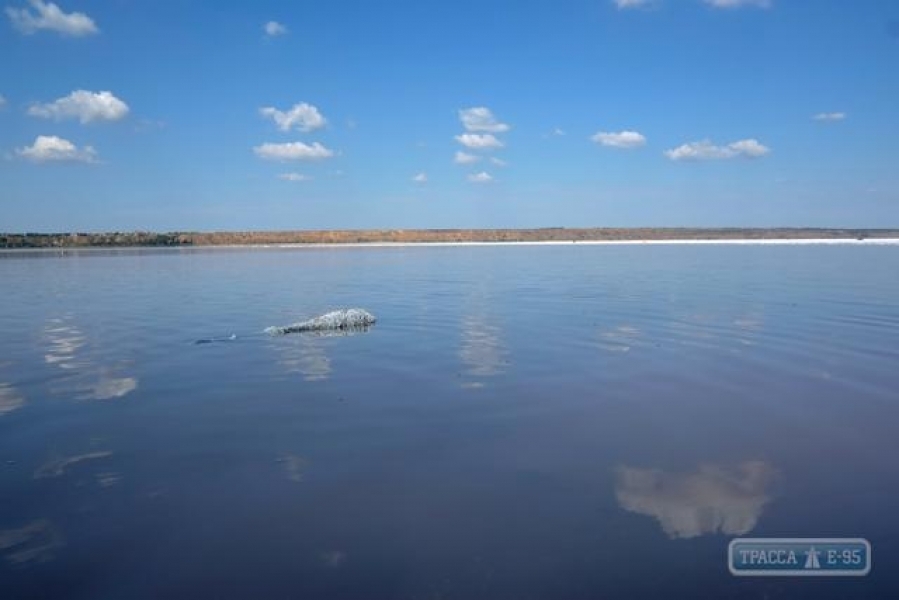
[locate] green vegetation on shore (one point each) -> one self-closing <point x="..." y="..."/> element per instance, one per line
<point x="150" y="239"/>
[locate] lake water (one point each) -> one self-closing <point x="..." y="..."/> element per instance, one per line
<point x="529" y="422"/>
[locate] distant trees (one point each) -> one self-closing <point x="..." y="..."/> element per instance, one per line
<point x="85" y="240"/>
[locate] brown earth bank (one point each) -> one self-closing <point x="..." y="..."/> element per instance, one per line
<point x="143" y="238"/>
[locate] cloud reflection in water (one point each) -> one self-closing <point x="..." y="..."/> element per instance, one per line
<point x="33" y="543"/>
<point x="482" y="352"/>
<point x="10" y="400"/>
<point x="91" y="381"/>
<point x="711" y="500"/>
<point x="58" y="466"/>
<point x="619" y="339"/>
<point x="65" y="341"/>
<point x="107" y="388"/>
<point x="304" y="355"/>
<point x="294" y="467"/>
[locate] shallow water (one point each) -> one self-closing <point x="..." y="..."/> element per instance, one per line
<point x="522" y="422"/>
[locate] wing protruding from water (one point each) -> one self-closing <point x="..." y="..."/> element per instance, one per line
<point x="229" y="338"/>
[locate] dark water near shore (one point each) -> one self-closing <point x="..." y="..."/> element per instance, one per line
<point x="559" y="422"/>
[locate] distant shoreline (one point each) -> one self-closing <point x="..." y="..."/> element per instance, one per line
<point x="57" y="251"/>
<point x="384" y="237"/>
<point x="660" y="242"/>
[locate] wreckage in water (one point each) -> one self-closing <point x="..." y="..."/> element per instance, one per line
<point x="351" y="319"/>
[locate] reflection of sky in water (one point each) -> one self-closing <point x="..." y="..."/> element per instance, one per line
<point x="65" y="341"/>
<point x="333" y="558"/>
<point x="748" y="326"/>
<point x="715" y="328"/>
<point x="91" y="381"/>
<point x="107" y="388"/>
<point x="619" y="339"/>
<point x="304" y="355"/>
<point x="10" y="399"/>
<point x="294" y="466"/>
<point x="694" y="329"/>
<point x="195" y="479"/>
<point x="710" y="500"/>
<point x="58" y="466"/>
<point x="108" y="479"/>
<point x="32" y="543"/>
<point x="481" y="351"/>
<point x="749" y="322"/>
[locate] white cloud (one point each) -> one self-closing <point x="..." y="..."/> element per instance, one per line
<point x="294" y="177"/>
<point x="49" y="16"/>
<point x="830" y="117"/>
<point x="621" y="139"/>
<point x="702" y="150"/>
<point x="49" y="148"/>
<point x="706" y="150"/>
<point x="482" y="177"/>
<point x="738" y="3"/>
<point x="750" y="148"/>
<point x="625" y="4"/>
<point x="464" y="158"/>
<point x="84" y="106"/>
<point x="498" y="162"/>
<point x="292" y="151"/>
<point x="2" y="101"/>
<point x="420" y="178"/>
<point x="480" y="118"/>
<point x="302" y="116"/>
<point x="274" y="29"/>
<point x="557" y="131"/>
<point x="477" y="141"/>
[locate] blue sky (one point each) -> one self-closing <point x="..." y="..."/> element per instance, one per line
<point x="123" y="115"/>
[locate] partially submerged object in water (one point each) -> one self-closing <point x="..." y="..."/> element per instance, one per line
<point x="229" y="338"/>
<point x="351" y="319"/>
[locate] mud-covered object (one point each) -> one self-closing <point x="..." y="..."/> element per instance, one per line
<point x="349" y="319"/>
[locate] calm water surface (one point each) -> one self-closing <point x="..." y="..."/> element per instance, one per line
<point x="554" y="422"/>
